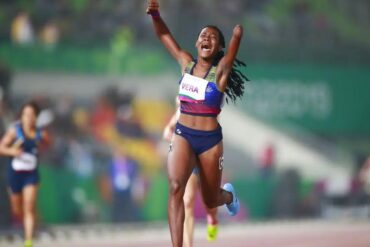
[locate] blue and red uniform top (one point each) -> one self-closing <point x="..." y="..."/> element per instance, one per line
<point x="200" y="96"/>
<point x="29" y="145"/>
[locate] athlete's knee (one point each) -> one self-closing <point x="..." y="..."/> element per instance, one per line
<point x="176" y="188"/>
<point x="189" y="202"/>
<point x="28" y="208"/>
<point x="17" y="210"/>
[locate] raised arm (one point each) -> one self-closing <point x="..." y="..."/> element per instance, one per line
<point x="6" y="147"/>
<point x="165" y="36"/>
<point x="226" y="64"/>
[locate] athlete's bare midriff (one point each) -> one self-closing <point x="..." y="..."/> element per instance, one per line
<point x="198" y="122"/>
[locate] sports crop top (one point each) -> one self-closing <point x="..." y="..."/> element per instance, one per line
<point x="200" y="96"/>
<point x="27" y="161"/>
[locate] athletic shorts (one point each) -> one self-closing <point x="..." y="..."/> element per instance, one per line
<point x="18" y="180"/>
<point x="199" y="140"/>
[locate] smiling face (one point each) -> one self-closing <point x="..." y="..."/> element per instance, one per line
<point x="208" y="43"/>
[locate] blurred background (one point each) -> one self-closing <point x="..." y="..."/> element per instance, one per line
<point x="294" y="145"/>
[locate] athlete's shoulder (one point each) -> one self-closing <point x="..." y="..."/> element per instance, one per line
<point x="12" y="130"/>
<point x="189" y="66"/>
<point x="211" y="76"/>
<point x="186" y="58"/>
<point x="14" y="126"/>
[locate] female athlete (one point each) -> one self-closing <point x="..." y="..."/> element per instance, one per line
<point x="198" y="135"/>
<point x="190" y="193"/>
<point x="21" y="143"/>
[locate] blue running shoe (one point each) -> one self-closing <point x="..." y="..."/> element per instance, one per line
<point x="234" y="206"/>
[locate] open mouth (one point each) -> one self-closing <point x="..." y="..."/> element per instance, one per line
<point x="205" y="47"/>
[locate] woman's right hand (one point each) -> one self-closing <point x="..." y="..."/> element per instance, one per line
<point x="168" y="132"/>
<point x="153" y="6"/>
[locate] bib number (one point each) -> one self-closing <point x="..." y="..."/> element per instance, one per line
<point x="193" y="87"/>
<point x="25" y="162"/>
<point x="122" y="181"/>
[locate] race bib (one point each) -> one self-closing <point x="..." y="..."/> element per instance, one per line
<point x="25" y="162"/>
<point x="122" y="182"/>
<point x="193" y="87"/>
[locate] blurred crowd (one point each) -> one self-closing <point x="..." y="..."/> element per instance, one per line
<point x="104" y="152"/>
<point x="306" y="26"/>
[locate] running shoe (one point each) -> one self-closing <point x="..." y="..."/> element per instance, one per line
<point x="212" y="231"/>
<point x="234" y="206"/>
<point x="28" y="243"/>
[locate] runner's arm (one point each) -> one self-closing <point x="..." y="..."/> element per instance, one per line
<point x="6" y="147"/>
<point x="164" y="35"/>
<point x="226" y="64"/>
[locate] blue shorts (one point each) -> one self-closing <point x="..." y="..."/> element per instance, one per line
<point x="200" y="140"/>
<point x="18" y="180"/>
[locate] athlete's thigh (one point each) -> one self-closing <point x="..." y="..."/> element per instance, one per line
<point x="210" y="170"/>
<point x="181" y="160"/>
<point x="29" y="196"/>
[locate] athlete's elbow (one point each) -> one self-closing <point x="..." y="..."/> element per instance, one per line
<point x="159" y="34"/>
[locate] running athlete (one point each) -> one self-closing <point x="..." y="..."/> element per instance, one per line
<point x="21" y="142"/>
<point x="190" y="193"/>
<point x="198" y="135"/>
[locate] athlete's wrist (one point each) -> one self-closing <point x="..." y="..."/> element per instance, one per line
<point x="155" y="14"/>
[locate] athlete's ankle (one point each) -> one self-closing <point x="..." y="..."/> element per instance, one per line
<point x="231" y="198"/>
<point x="211" y="220"/>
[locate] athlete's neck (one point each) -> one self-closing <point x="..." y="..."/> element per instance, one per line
<point x="204" y="63"/>
<point x="29" y="131"/>
<point x="202" y="67"/>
